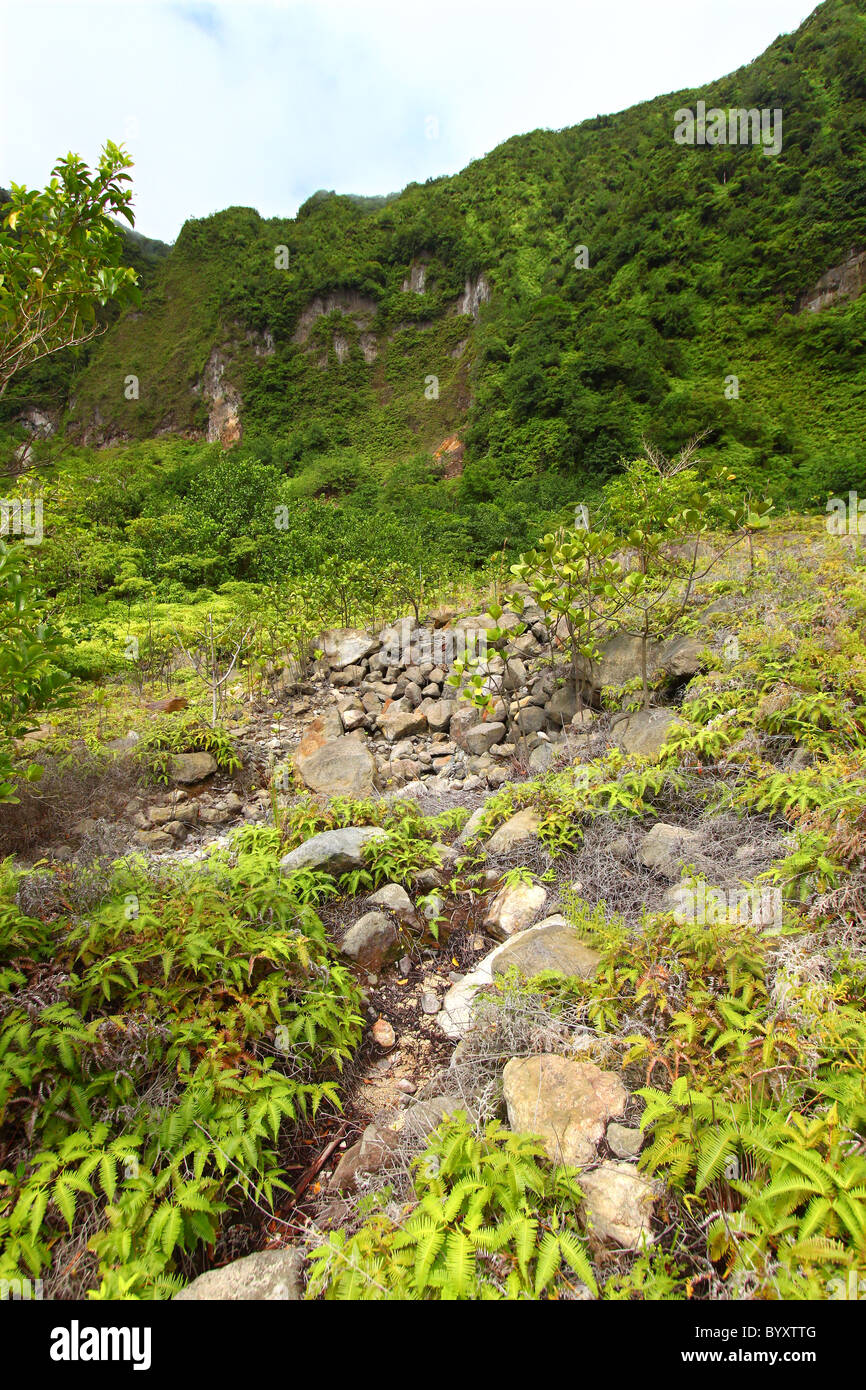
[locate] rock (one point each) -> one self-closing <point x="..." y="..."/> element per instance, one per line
<point x="514" y="908"/>
<point x="541" y="758"/>
<point x="515" y="674"/>
<point x="156" y="840"/>
<point x="334" y="851"/>
<point x="470" y="829"/>
<point x="516" y="830"/>
<point x="619" y="1202"/>
<point x="437" y="713"/>
<point x="582" y="722"/>
<point x="550" y="945"/>
<point x="424" y="1116"/>
<point x="429" y="1002"/>
<point x="188" y="768"/>
<point x="567" y="1102"/>
<point x="370" y="940"/>
<point x="343" y="1176"/>
<point x="562" y="706"/>
<point x="623" y="1141"/>
<point x="268" y="1275"/>
<point x="329" y="761"/>
<point x="383" y="1034"/>
<point x="480" y="737"/>
<point x="644" y="733"/>
<point x="531" y="719"/>
<point x="346" y="646"/>
<point x="395" y="900"/>
<point x="353" y="719"/>
<point x="397" y="723"/>
<point x="667" y="847"/>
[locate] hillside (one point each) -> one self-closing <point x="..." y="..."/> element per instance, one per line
<point x="700" y="260"/>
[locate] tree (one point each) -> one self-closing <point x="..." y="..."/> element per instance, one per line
<point x="60" y="258"/>
<point x="30" y="650"/>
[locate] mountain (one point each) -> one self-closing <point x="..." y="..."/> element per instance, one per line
<point x="454" y="319"/>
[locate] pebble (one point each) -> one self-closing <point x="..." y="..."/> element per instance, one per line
<point x="429" y="1002"/>
<point x="383" y="1034"/>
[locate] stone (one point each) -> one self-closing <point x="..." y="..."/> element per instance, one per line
<point x="156" y="840"/>
<point x="383" y="1034"/>
<point x="420" y="1119"/>
<point x="346" y="646"/>
<point x="329" y="761"/>
<point x="395" y="900"/>
<point x="370" y="941"/>
<point x="625" y="1142"/>
<point x="541" y="758"/>
<point x="470" y="829"/>
<point x="334" y="851"/>
<point x="189" y="768"/>
<point x="666" y="848"/>
<point x="266" y="1276"/>
<point x="646" y="732"/>
<point x="550" y="945"/>
<point x="514" y="908"/>
<point x="531" y="719"/>
<point x="397" y="723"/>
<point x="562" y="706"/>
<point x="429" y="1002"/>
<point x="517" y="830"/>
<point x="482" y="736"/>
<point x="568" y="1103"/>
<point x="619" y="1202"/>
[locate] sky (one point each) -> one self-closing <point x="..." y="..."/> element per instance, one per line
<point x="262" y="102"/>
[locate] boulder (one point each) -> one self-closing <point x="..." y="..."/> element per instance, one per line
<point x="266" y="1276"/>
<point x="346" y="646"/>
<point x="550" y="945"/>
<point x="370" y="941"/>
<point x="333" y="851"/>
<point x="619" y="1201"/>
<point x="188" y="768"/>
<point x="620" y="659"/>
<point x="437" y="713"/>
<point x="513" y="908"/>
<point x="516" y="830"/>
<point x="482" y="736"/>
<point x="331" y="762"/>
<point x="397" y="723"/>
<point x="567" y="1102"/>
<point x="644" y="733"/>
<point x="667" y="848"/>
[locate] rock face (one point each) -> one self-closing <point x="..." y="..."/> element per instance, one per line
<point x="370" y="940"/>
<point x="522" y="826"/>
<point x="188" y="768"/>
<point x="334" y="851"/>
<point x="514" y="908"/>
<point x="619" y="1204"/>
<point x="842" y="282"/>
<point x="269" y="1275"/>
<point x="645" y="732"/>
<point x="331" y="762"/>
<point x="568" y="1103"/>
<point x="550" y="945"/>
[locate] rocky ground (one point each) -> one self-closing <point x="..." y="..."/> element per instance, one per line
<point x="378" y="719"/>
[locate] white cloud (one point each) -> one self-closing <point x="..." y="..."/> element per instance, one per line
<point x="262" y="103"/>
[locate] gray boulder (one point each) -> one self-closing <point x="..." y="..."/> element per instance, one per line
<point x="267" y="1276"/>
<point x="333" y="851"/>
